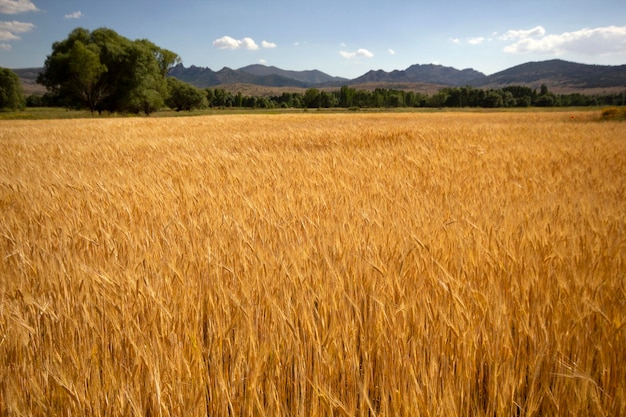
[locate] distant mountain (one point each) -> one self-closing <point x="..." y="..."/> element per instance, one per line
<point x="308" y="77"/>
<point x="429" y="73"/>
<point x="28" y="76"/>
<point x="559" y="74"/>
<point x="253" y="74"/>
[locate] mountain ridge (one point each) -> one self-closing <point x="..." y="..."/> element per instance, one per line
<point x="556" y="74"/>
<point x="307" y="76"/>
<point x="425" y="73"/>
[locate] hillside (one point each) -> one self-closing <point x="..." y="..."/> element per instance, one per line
<point x="559" y="75"/>
<point x="28" y="77"/>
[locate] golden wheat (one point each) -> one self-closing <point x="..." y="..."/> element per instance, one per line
<point x="450" y="264"/>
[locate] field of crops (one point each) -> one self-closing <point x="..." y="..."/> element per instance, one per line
<point x="443" y="264"/>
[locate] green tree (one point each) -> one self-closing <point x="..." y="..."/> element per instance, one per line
<point x="297" y="100"/>
<point x="221" y="97"/>
<point x="508" y="100"/>
<point x="102" y="70"/>
<point x="327" y="100"/>
<point x="545" y="100"/>
<point x="395" y="99"/>
<point x="210" y="97"/>
<point x="11" y="92"/>
<point x="457" y="97"/>
<point x="379" y="98"/>
<point x="35" y="100"/>
<point x="493" y="99"/>
<point x="148" y="83"/>
<point x="184" y="96"/>
<point x="312" y="98"/>
<point x="522" y="95"/>
<point x="346" y="96"/>
<point x="439" y="99"/>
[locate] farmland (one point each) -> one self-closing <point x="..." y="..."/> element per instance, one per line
<point x="405" y="264"/>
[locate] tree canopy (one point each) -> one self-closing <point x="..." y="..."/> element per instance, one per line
<point x="101" y="70"/>
<point x="11" y="92"/>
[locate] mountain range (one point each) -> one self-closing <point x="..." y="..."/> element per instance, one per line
<point x="558" y="75"/>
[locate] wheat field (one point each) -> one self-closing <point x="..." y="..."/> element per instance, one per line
<point x="444" y="264"/>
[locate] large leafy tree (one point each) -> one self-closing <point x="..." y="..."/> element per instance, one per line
<point x="101" y="70"/>
<point x="11" y="92"/>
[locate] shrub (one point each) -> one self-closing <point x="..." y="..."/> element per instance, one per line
<point x="614" y="113"/>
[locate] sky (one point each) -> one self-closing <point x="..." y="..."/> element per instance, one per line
<point x="344" y="38"/>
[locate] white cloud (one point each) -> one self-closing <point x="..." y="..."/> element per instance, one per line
<point x="17" y="6"/>
<point x="359" y="53"/>
<point x="471" y="41"/>
<point x="75" y="15"/>
<point x="364" y="53"/>
<point x="391" y="51"/>
<point x="476" y="41"/>
<point x="16" y="27"/>
<point x="597" y="41"/>
<point x="5" y="35"/>
<point x="9" y="30"/>
<point x="262" y="61"/>
<point x="226" y="42"/>
<point x="535" y="32"/>
<point x="269" y="45"/>
<point x="5" y="47"/>
<point x="248" y="43"/>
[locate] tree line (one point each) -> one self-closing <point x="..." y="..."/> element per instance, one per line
<point x="102" y="71"/>
<point x="351" y="98"/>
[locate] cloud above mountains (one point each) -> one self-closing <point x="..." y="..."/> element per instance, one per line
<point x="359" y="53"/>
<point x="537" y="31"/>
<point x="227" y="42"/>
<point x="587" y="41"/>
<point x="268" y="45"/>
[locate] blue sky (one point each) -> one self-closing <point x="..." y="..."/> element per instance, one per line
<point x="343" y="38"/>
